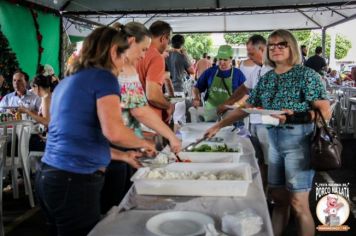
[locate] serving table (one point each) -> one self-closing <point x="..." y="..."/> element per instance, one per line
<point x="130" y="217"/>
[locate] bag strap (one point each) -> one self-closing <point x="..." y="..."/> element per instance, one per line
<point x="323" y="122"/>
<point x="225" y="86"/>
<point x="210" y="82"/>
<point x="224" y="82"/>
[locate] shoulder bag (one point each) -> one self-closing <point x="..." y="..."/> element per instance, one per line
<point x="326" y="146"/>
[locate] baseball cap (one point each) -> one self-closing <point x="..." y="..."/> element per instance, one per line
<point x="225" y="52"/>
<point x="48" y="70"/>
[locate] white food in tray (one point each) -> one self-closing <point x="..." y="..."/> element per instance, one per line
<point x="162" y="159"/>
<point x="194" y="179"/>
<point x="160" y="173"/>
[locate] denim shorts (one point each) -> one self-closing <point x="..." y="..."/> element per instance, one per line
<point x="289" y="157"/>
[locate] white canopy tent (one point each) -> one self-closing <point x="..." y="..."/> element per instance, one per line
<point x="203" y="16"/>
<point x="80" y="16"/>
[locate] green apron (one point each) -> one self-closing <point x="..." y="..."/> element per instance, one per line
<point x="217" y="95"/>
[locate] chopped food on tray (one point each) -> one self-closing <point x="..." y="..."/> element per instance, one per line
<point x="160" y="173"/>
<point x="161" y="159"/>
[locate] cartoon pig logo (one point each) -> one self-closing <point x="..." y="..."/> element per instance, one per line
<point x="332" y="207"/>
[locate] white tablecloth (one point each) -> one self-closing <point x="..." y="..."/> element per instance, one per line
<point x="130" y="217"/>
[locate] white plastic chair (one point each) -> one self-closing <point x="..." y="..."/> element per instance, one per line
<point x="24" y="141"/>
<point x="3" y="142"/>
<point x="195" y="114"/>
<point x="350" y="115"/>
<point x="23" y="131"/>
<point x="32" y="155"/>
<point x="12" y="163"/>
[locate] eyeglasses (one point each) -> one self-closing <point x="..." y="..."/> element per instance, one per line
<point x="280" y="45"/>
<point x="220" y="59"/>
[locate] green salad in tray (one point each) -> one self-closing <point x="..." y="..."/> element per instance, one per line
<point x="213" y="148"/>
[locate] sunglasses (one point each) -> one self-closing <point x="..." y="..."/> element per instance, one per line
<point x="280" y="45"/>
<point x="220" y="59"/>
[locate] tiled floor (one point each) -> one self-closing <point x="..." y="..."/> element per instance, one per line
<point x="20" y="220"/>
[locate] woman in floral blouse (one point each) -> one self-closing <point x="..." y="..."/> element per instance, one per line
<point x="133" y="99"/>
<point x="135" y="110"/>
<point x="297" y="90"/>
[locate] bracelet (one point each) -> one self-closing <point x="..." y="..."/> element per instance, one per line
<point x="299" y="118"/>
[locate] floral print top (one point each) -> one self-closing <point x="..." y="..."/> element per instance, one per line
<point x="294" y="90"/>
<point x="132" y="96"/>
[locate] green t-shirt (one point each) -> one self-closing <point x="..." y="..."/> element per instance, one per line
<point x="294" y="90"/>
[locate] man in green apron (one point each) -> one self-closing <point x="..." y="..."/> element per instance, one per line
<point x="218" y="82"/>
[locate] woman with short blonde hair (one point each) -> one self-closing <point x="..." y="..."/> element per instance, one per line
<point x="288" y="39"/>
<point x="296" y="90"/>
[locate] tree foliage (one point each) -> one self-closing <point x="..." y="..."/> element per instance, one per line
<point x="309" y="38"/>
<point x="342" y="45"/>
<point x="8" y="59"/>
<point x="241" y="38"/>
<point x="197" y="44"/>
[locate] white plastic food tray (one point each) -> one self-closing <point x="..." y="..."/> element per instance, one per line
<point x="195" y="187"/>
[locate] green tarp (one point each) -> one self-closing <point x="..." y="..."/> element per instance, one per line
<point x="18" y="26"/>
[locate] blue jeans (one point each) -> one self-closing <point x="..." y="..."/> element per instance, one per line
<point x="289" y="157"/>
<point x="70" y="201"/>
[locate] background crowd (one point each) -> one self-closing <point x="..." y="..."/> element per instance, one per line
<point x="113" y="107"/>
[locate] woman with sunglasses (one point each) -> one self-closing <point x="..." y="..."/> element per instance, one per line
<point x="297" y="90"/>
<point x="219" y="83"/>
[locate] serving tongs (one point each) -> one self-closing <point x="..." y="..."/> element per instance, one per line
<point x="193" y="145"/>
<point x="177" y="157"/>
<point x="189" y="148"/>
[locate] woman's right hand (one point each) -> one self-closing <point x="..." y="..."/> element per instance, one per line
<point x="131" y="158"/>
<point x="211" y="131"/>
<point x="175" y="144"/>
